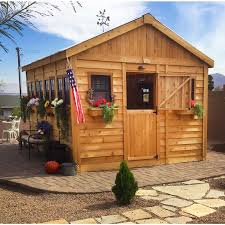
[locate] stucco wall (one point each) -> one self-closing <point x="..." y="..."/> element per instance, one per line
<point x="216" y="117"/>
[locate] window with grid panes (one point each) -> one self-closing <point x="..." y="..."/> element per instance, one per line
<point x="101" y="84"/>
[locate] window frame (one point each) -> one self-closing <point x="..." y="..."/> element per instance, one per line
<point x="193" y="88"/>
<point x="50" y="90"/>
<point x="39" y="90"/>
<point x="32" y="88"/>
<point x="29" y="90"/>
<point x="62" y="91"/>
<point x="36" y="82"/>
<point x="154" y="77"/>
<point x="66" y="99"/>
<point x="110" y="75"/>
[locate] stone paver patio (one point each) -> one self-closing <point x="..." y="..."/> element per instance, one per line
<point x="198" y="206"/>
<point x="15" y="168"/>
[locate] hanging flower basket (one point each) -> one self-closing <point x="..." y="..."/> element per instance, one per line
<point x="49" y="111"/>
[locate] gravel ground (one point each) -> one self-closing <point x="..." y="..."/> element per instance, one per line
<point x="23" y="206"/>
<point x="20" y="206"/>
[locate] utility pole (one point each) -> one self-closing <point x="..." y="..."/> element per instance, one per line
<point x="19" y="71"/>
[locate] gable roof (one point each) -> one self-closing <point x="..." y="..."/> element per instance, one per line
<point x="145" y="19"/>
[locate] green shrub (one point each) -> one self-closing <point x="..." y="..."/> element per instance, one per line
<point x="125" y="185"/>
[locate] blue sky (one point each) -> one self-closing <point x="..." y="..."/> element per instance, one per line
<point x="200" y="23"/>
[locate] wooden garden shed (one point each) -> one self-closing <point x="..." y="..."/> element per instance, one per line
<point x="152" y="74"/>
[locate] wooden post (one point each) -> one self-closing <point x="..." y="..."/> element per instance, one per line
<point x="166" y="137"/>
<point x="205" y="116"/>
<point x="124" y="75"/>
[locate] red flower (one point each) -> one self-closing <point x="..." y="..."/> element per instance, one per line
<point x="192" y="103"/>
<point x="99" y="102"/>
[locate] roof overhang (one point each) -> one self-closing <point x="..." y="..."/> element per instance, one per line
<point x="145" y="19"/>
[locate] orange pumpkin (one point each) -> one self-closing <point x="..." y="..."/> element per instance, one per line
<point x="52" y="167"/>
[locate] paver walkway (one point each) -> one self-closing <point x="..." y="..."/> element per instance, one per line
<point x="17" y="169"/>
<point x="194" y="192"/>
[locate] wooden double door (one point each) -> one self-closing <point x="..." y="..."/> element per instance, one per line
<point x="141" y="135"/>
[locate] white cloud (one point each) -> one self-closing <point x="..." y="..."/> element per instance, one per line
<point x="205" y="27"/>
<point x="83" y="24"/>
<point x="202" y="24"/>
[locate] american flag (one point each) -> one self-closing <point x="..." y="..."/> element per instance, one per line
<point x="76" y="97"/>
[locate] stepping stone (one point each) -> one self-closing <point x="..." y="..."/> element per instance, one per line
<point x="59" y="221"/>
<point x="193" y="182"/>
<point x="186" y="214"/>
<point x="160" y="197"/>
<point x="151" y="221"/>
<point x="214" y="203"/>
<point x="143" y="192"/>
<point x="178" y="220"/>
<point x="194" y="191"/>
<point x="85" y="221"/>
<point x="198" y="210"/>
<point x="128" y="223"/>
<point x="136" y="214"/>
<point x="177" y="202"/>
<point x="217" y="178"/>
<point x="214" y="194"/>
<point x="111" y="219"/>
<point x="171" y="208"/>
<point x="160" y="212"/>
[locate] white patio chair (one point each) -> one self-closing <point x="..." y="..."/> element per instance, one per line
<point x="13" y="132"/>
<point x="16" y="127"/>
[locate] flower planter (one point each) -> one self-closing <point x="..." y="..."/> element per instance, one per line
<point x="185" y="112"/>
<point x="97" y="112"/>
<point x="189" y="112"/>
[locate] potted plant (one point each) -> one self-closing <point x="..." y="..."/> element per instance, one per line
<point x="198" y="111"/>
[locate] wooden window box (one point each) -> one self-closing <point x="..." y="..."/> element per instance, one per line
<point x="96" y="112"/>
<point x="185" y="112"/>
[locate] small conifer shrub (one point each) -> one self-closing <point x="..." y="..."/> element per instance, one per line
<point x="125" y="185"/>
